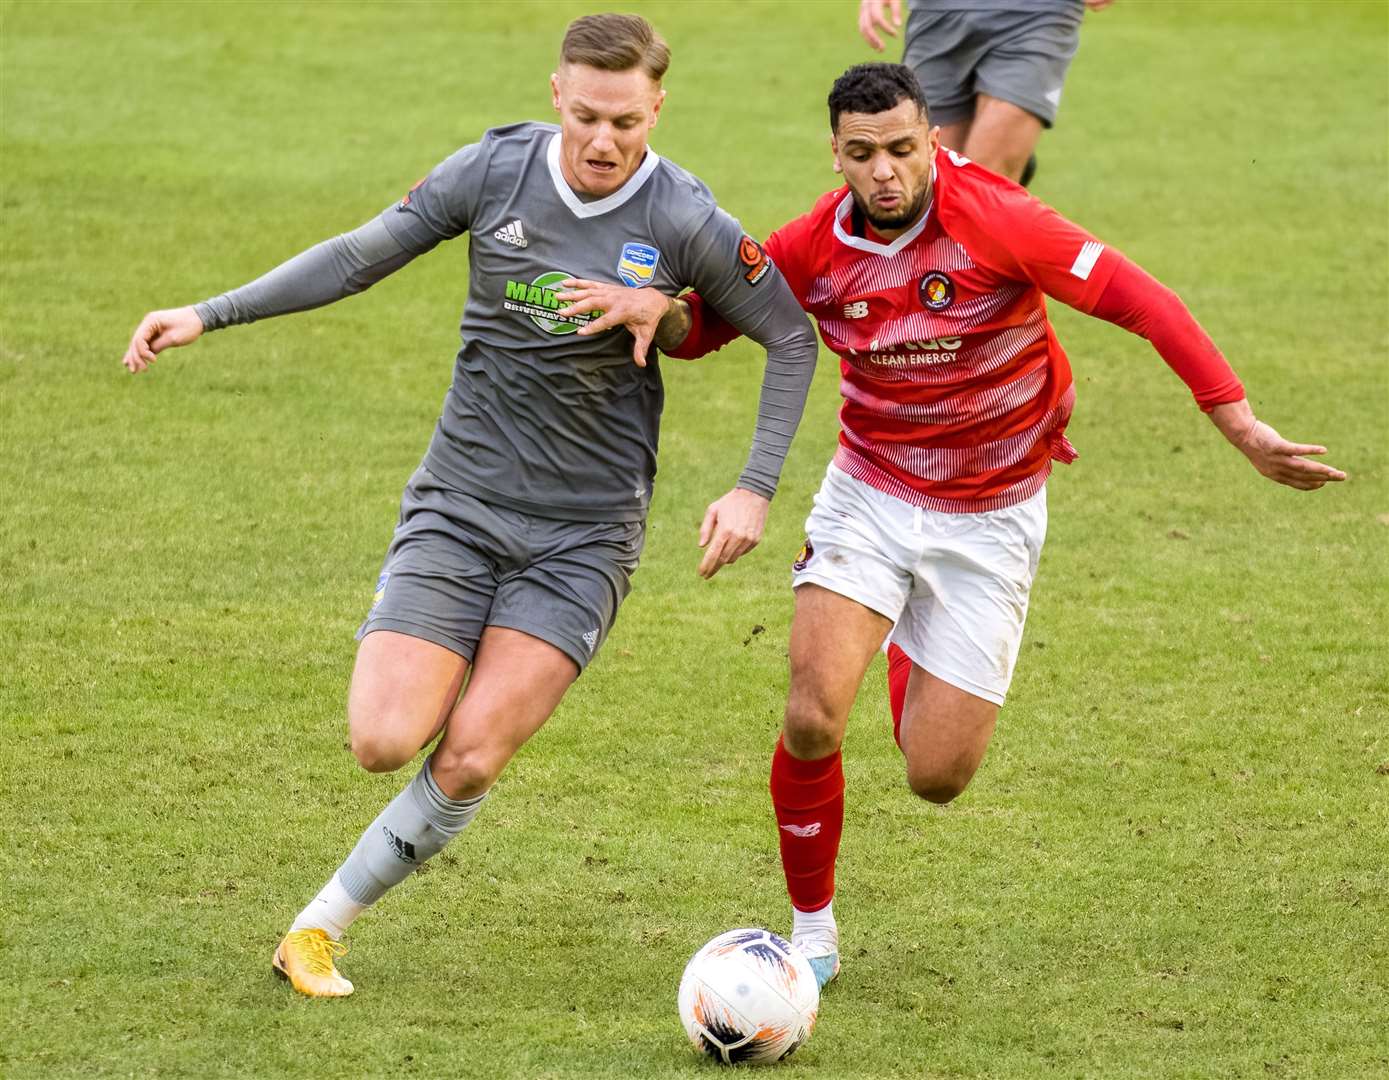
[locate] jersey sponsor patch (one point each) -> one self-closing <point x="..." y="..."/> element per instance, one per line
<point x="636" y="266"/>
<point x="751" y="255"/>
<point x="539" y="301"/>
<point x="937" y="291"/>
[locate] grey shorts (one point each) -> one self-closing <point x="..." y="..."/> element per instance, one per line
<point x="1020" y="56"/>
<point x="457" y="564"/>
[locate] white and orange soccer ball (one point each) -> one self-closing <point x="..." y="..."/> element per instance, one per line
<point x="748" y="997"/>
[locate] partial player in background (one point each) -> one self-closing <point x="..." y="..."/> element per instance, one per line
<point x="520" y="531"/>
<point x="992" y="70"/>
<point x="927" y="275"/>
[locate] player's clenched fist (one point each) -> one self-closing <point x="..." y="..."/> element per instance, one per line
<point x="732" y="527"/>
<point x="158" y="331"/>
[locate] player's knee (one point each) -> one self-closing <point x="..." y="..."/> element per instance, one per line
<point x="811" y="731"/>
<point x="380" y="751"/>
<point x="465" y="773"/>
<point x="938" y="785"/>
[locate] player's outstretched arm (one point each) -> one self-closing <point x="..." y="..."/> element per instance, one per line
<point x="160" y="330"/>
<point x="325" y="273"/>
<point x="1269" y="452"/>
<point x="874" y="15"/>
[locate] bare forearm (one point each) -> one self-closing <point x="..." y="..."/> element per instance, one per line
<point x="1235" y="419"/>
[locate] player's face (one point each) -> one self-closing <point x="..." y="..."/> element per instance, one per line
<point x="604" y="119"/>
<point x="886" y="158"/>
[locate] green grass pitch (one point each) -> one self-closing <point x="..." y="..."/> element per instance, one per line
<point x="1173" y="862"/>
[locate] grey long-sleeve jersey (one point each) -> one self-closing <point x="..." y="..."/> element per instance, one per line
<point x="538" y="418"/>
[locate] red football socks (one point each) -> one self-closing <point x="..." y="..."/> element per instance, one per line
<point x="899" y="670"/>
<point x="808" y="797"/>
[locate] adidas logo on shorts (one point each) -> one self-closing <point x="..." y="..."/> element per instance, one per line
<point x="591" y="640"/>
<point x="512" y="234"/>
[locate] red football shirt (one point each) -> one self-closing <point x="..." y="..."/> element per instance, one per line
<point x="956" y="390"/>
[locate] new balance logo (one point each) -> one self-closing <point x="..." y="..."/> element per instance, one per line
<point x="857" y="310"/>
<point x="513" y="234"/>
<point x="1085" y="261"/>
<point x="591" y="640"/>
<point x="403" y="849"/>
<point x="813" y="829"/>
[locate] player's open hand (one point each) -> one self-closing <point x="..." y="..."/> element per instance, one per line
<point x="639" y="310"/>
<point x="874" y="15"/>
<point x="732" y="527"/>
<point x="158" y="331"/>
<point x="1269" y="452"/>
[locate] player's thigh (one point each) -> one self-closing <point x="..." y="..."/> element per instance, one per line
<point x="851" y="582"/>
<point x="577" y="575"/>
<point x="1001" y="136"/>
<point x="1028" y="56"/>
<point x="964" y="619"/>
<point x="549" y="618"/>
<point x="945" y="732"/>
<point x="517" y="682"/>
<point x="955" y="136"/>
<point x="432" y="601"/>
<point x="833" y="640"/>
<point x="402" y="691"/>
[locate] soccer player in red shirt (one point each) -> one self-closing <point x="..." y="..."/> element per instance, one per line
<point x="927" y="276"/>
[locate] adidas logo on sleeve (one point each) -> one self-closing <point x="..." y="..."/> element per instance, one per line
<point x="512" y="234"/>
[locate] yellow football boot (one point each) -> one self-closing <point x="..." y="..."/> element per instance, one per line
<point x="305" y="958"/>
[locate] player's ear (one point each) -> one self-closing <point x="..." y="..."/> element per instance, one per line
<point x="834" y="149"/>
<point x="554" y="89"/>
<point x="656" y="109"/>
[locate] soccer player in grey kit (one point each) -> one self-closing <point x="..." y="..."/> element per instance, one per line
<point x="521" y="529"/>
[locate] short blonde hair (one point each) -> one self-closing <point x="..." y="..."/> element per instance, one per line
<point x="612" y="42"/>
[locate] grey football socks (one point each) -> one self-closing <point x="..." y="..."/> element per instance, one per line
<point x="414" y="827"/>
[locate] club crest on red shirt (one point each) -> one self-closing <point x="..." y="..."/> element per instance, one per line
<point x="937" y="291"/>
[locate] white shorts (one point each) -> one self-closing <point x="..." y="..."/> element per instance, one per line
<point x="954" y="585"/>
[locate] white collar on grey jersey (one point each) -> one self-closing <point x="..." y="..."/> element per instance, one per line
<point x="607" y="202"/>
<point x="862" y="243"/>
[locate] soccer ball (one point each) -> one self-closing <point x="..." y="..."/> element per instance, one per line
<point x="748" y="997"/>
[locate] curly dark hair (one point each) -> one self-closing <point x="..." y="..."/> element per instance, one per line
<point x="874" y="88"/>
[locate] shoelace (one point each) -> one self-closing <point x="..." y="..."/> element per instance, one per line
<point x="318" y="950"/>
